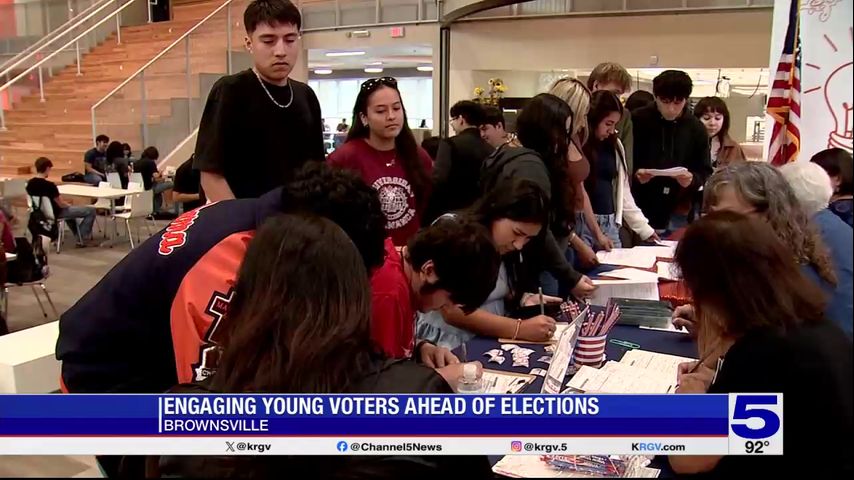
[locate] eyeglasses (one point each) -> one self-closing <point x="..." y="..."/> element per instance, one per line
<point x="374" y="83"/>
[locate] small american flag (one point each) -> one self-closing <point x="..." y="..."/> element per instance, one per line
<point x="784" y="103"/>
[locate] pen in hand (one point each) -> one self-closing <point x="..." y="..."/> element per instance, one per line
<point x="542" y="307"/>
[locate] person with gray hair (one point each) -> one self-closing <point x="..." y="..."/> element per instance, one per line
<point x="759" y="189"/>
<point x="810" y="183"/>
<point x="813" y="188"/>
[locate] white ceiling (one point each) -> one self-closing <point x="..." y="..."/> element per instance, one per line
<point x="392" y="56"/>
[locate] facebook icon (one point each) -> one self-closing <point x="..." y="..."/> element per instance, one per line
<point x="342" y="446"/>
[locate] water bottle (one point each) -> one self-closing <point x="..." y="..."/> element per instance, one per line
<point x="470" y="382"/>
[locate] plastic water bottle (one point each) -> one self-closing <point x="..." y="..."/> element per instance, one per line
<point x="470" y="382"/>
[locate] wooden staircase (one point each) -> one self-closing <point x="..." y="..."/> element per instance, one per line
<point x="60" y="128"/>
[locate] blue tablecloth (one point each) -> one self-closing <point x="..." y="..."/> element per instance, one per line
<point x="650" y="340"/>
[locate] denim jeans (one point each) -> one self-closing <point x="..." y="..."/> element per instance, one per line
<point x="72" y="213"/>
<point x="158" y="189"/>
<point x="608" y="225"/>
<point x="93" y="179"/>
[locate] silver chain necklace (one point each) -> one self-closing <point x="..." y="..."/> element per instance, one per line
<point x="261" y="81"/>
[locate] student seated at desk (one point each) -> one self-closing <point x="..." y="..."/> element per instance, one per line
<point x="515" y="213"/>
<point x="40" y="186"/>
<point x="300" y="322"/>
<point x="760" y="328"/>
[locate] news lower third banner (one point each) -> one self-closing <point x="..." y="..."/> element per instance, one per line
<point x="735" y="424"/>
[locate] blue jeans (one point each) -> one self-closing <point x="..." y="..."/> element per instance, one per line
<point x="608" y="225"/>
<point x="72" y="213"/>
<point x="93" y="179"/>
<point x="158" y="189"/>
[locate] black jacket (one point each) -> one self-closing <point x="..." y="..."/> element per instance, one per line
<point x="660" y="143"/>
<point x="390" y="376"/>
<point x="508" y="163"/>
<point x="456" y="172"/>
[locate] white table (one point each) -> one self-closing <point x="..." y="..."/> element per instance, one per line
<point x="28" y="361"/>
<point x="107" y="193"/>
<point x="89" y="191"/>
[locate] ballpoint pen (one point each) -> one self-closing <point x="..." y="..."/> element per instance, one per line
<point x="542" y="307"/>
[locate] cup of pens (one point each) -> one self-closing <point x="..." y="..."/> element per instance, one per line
<point x="593" y="337"/>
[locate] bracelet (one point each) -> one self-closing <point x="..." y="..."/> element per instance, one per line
<point x="518" y="324"/>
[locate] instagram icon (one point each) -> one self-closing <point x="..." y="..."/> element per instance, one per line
<point x="516" y="446"/>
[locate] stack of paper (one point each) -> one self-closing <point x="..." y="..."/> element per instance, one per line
<point x="628" y="257"/>
<point x="637" y="289"/>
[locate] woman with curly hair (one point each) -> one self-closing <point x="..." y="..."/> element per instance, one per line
<point x="759" y="189"/>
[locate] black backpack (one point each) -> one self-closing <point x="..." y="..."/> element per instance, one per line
<point x="39" y="224"/>
<point x="31" y="264"/>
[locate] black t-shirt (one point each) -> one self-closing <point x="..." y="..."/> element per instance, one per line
<point x="602" y="178"/>
<point x="189" y="180"/>
<point x="255" y="144"/>
<point x="97" y="159"/>
<point x="812" y="367"/>
<point x="147" y="168"/>
<point x="40" y="187"/>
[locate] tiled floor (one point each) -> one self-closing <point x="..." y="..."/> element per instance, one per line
<point x="73" y="273"/>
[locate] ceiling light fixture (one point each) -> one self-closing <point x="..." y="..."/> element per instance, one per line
<point x="345" y="54"/>
<point x="373" y="70"/>
<point x="424" y="68"/>
<point x="322" y="71"/>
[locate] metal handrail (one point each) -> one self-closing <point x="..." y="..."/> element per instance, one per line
<point x="88" y="13"/>
<point x="158" y="56"/>
<point x="75" y="39"/>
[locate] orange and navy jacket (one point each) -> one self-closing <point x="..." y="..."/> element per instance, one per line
<point x="146" y="326"/>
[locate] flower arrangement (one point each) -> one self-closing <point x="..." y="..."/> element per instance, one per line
<point x="493" y="95"/>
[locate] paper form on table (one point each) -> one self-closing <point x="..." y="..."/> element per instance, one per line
<point x="615" y="377"/>
<point x="656" y="362"/>
<point x="659" y="251"/>
<point x="637" y="289"/>
<point x="505" y="382"/>
<point x="632" y="274"/>
<point x="627" y="257"/>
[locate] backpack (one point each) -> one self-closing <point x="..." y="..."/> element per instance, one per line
<point x="31" y="264"/>
<point x="40" y="224"/>
<point x="74" y="177"/>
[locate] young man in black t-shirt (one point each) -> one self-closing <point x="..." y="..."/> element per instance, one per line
<point x="259" y="126"/>
<point x="95" y="161"/>
<point x="40" y="186"/>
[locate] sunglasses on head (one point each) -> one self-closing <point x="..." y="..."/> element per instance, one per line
<point x="375" y="83"/>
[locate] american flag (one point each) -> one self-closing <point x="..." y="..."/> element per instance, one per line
<point x="784" y="103"/>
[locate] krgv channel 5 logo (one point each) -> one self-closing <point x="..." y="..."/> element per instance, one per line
<point x="756" y="424"/>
